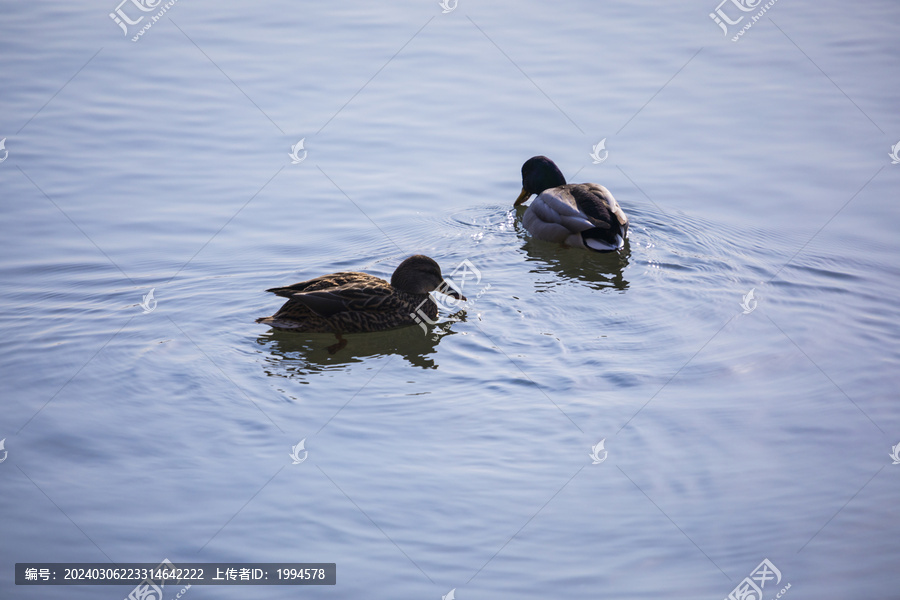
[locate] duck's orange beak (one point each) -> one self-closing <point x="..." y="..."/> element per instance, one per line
<point x="449" y="290"/>
<point x="524" y="196"/>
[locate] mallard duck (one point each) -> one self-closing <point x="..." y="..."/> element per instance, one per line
<point x="352" y="302"/>
<point x="584" y="215"/>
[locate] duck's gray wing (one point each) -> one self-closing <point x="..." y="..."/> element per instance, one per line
<point x="554" y="215"/>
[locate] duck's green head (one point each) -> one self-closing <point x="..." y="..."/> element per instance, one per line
<point x="419" y="274"/>
<point x="539" y="173"/>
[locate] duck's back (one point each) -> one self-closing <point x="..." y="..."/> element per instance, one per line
<point x="330" y="281"/>
<point x="349" y="302"/>
<point x="581" y="215"/>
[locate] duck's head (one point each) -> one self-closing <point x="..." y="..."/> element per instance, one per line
<point x="539" y="173"/>
<point x="419" y="274"/>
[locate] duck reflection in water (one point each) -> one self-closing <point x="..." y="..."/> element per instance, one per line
<point x="598" y="270"/>
<point x="297" y="356"/>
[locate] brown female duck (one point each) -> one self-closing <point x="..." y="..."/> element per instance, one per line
<point x="352" y="302"/>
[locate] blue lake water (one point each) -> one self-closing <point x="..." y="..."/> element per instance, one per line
<point x="736" y="428"/>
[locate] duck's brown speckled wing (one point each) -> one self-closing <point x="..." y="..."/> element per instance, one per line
<point x="347" y="302"/>
<point x="325" y="282"/>
<point x="369" y="297"/>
